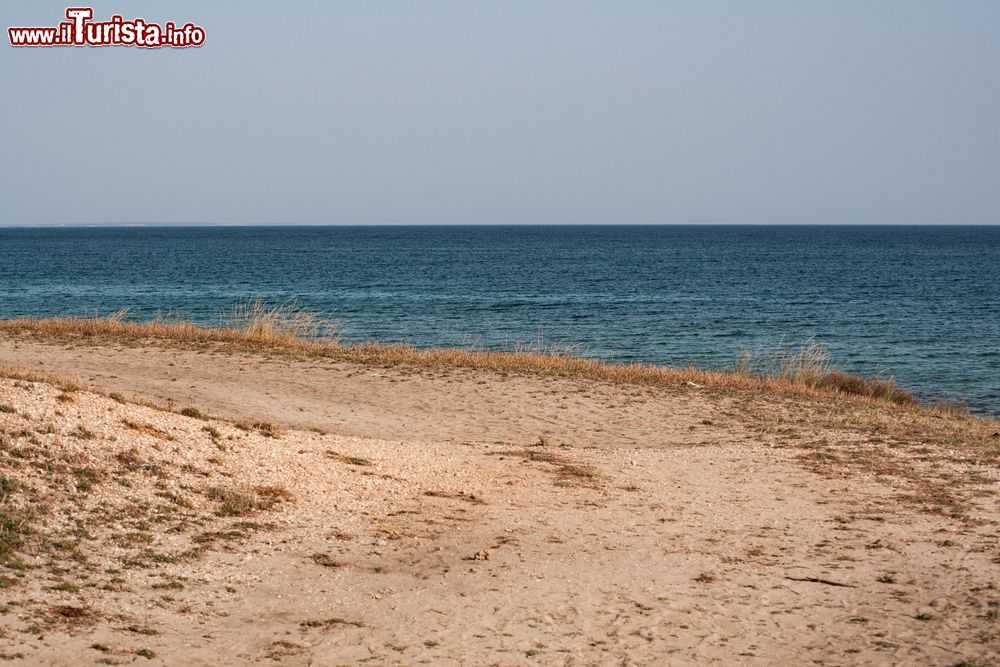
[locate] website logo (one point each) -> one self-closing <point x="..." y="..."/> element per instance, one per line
<point x="79" y="29"/>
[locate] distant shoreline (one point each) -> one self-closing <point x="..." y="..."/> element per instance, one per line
<point x="186" y="225"/>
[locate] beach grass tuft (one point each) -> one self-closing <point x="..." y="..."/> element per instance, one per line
<point x="811" y="364"/>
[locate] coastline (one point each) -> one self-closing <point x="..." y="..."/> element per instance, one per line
<point x="914" y="302"/>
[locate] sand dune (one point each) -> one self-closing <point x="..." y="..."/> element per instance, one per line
<point x="332" y="513"/>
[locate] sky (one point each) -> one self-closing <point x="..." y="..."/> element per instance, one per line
<point x="516" y="112"/>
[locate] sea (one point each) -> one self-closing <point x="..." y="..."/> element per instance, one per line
<point x="919" y="303"/>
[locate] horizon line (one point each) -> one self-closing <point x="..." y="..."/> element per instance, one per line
<point x="148" y="225"/>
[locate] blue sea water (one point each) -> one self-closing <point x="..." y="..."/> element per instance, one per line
<point x="921" y="303"/>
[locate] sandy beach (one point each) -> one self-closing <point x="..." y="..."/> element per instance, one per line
<point x="193" y="506"/>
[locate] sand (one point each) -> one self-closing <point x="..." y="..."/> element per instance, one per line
<point x="335" y="514"/>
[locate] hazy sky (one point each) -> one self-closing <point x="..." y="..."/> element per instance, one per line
<point x="511" y="111"/>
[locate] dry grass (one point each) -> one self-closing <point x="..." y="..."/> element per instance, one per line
<point x="811" y="365"/>
<point x="350" y="460"/>
<point x="62" y="381"/>
<point x="256" y="328"/>
<point x="256" y="319"/>
<point x="567" y="473"/>
<point x="243" y="502"/>
<point x="252" y="326"/>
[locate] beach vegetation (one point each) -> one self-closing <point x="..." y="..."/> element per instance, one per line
<point x="285" y="329"/>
